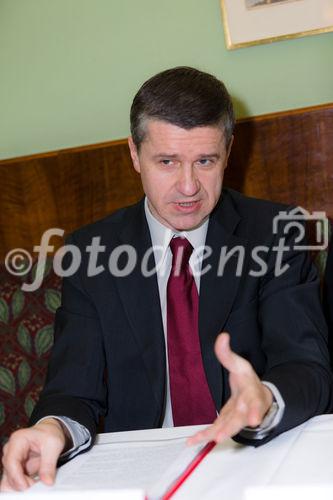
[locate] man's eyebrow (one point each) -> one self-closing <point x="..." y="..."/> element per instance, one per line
<point x="215" y="156"/>
<point x="210" y="155"/>
<point x="165" y="155"/>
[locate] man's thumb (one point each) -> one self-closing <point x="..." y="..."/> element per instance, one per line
<point x="230" y="360"/>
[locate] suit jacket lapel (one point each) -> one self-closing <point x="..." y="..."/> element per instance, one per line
<point x="217" y="293"/>
<point x="140" y="298"/>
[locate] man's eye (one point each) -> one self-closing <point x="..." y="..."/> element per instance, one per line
<point x="204" y="161"/>
<point x="166" y="162"/>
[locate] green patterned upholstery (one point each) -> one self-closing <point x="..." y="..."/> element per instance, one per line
<point x="26" y="335"/>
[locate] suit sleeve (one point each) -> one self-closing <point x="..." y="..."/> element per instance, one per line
<point x="294" y="336"/>
<point x="74" y="385"/>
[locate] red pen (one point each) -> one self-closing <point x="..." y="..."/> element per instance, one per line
<point x="188" y="471"/>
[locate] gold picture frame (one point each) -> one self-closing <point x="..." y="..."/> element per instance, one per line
<point x="255" y="22"/>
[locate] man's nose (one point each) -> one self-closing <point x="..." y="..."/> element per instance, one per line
<point x="188" y="183"/>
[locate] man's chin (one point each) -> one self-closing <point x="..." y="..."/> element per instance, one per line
<point x="188" y="224"/>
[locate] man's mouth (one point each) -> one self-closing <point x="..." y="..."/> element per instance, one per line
<point x="187" y="207"/>
<point x="187" y="203"/>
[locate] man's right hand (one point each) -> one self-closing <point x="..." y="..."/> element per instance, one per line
<point x="33" y="453"/>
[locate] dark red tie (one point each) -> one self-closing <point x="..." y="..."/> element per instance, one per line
<point x="191" y="399"/>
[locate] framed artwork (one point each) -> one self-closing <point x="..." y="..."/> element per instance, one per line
<point x="253" y="22"/>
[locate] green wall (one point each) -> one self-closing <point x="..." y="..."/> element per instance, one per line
<point x="69" y="68"/>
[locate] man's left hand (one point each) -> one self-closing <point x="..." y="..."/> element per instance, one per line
<point x="249" y="402"/>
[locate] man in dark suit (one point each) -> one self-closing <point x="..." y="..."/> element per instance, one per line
<point x="135" y="344"/>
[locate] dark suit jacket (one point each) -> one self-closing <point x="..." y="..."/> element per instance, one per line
<point x="109" y="353"/>
<point x="328" y="296"/>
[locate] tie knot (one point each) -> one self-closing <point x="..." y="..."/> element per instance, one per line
<point x="181" y="250"/>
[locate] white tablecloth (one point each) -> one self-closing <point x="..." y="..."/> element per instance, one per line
<point x="296" y="465"/>
<point x="300" y="459"/>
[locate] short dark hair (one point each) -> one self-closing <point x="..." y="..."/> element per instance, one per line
<point x="185" y="97"/>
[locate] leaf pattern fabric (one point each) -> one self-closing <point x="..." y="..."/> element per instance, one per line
<point x="7" y="381"/>
<point x="52" y="300"/>
<point x="44" y="340"/>
<point x="24" y="373"/>
<point x="2" y="413"/>
<point x="4" y="313"/>
<point x="17" y="302"/>
<point x="26" y="338"/>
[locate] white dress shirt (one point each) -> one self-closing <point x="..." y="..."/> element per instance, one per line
<point x="161" y="237"/>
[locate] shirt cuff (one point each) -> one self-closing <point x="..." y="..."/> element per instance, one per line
<point x="81" y="437"/>
<point x="271" y="419"/>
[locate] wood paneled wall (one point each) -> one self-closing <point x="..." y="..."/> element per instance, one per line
<point x="285" y="157"/>
<point x="64" y="189"/>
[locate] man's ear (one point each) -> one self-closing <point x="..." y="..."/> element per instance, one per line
<point x="134" y="154"/>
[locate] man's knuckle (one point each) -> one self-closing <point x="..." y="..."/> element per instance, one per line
<point x="241" y="406"/>
<point x="17" y="435"/>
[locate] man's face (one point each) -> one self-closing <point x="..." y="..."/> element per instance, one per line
<point x="181" y="171"/>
